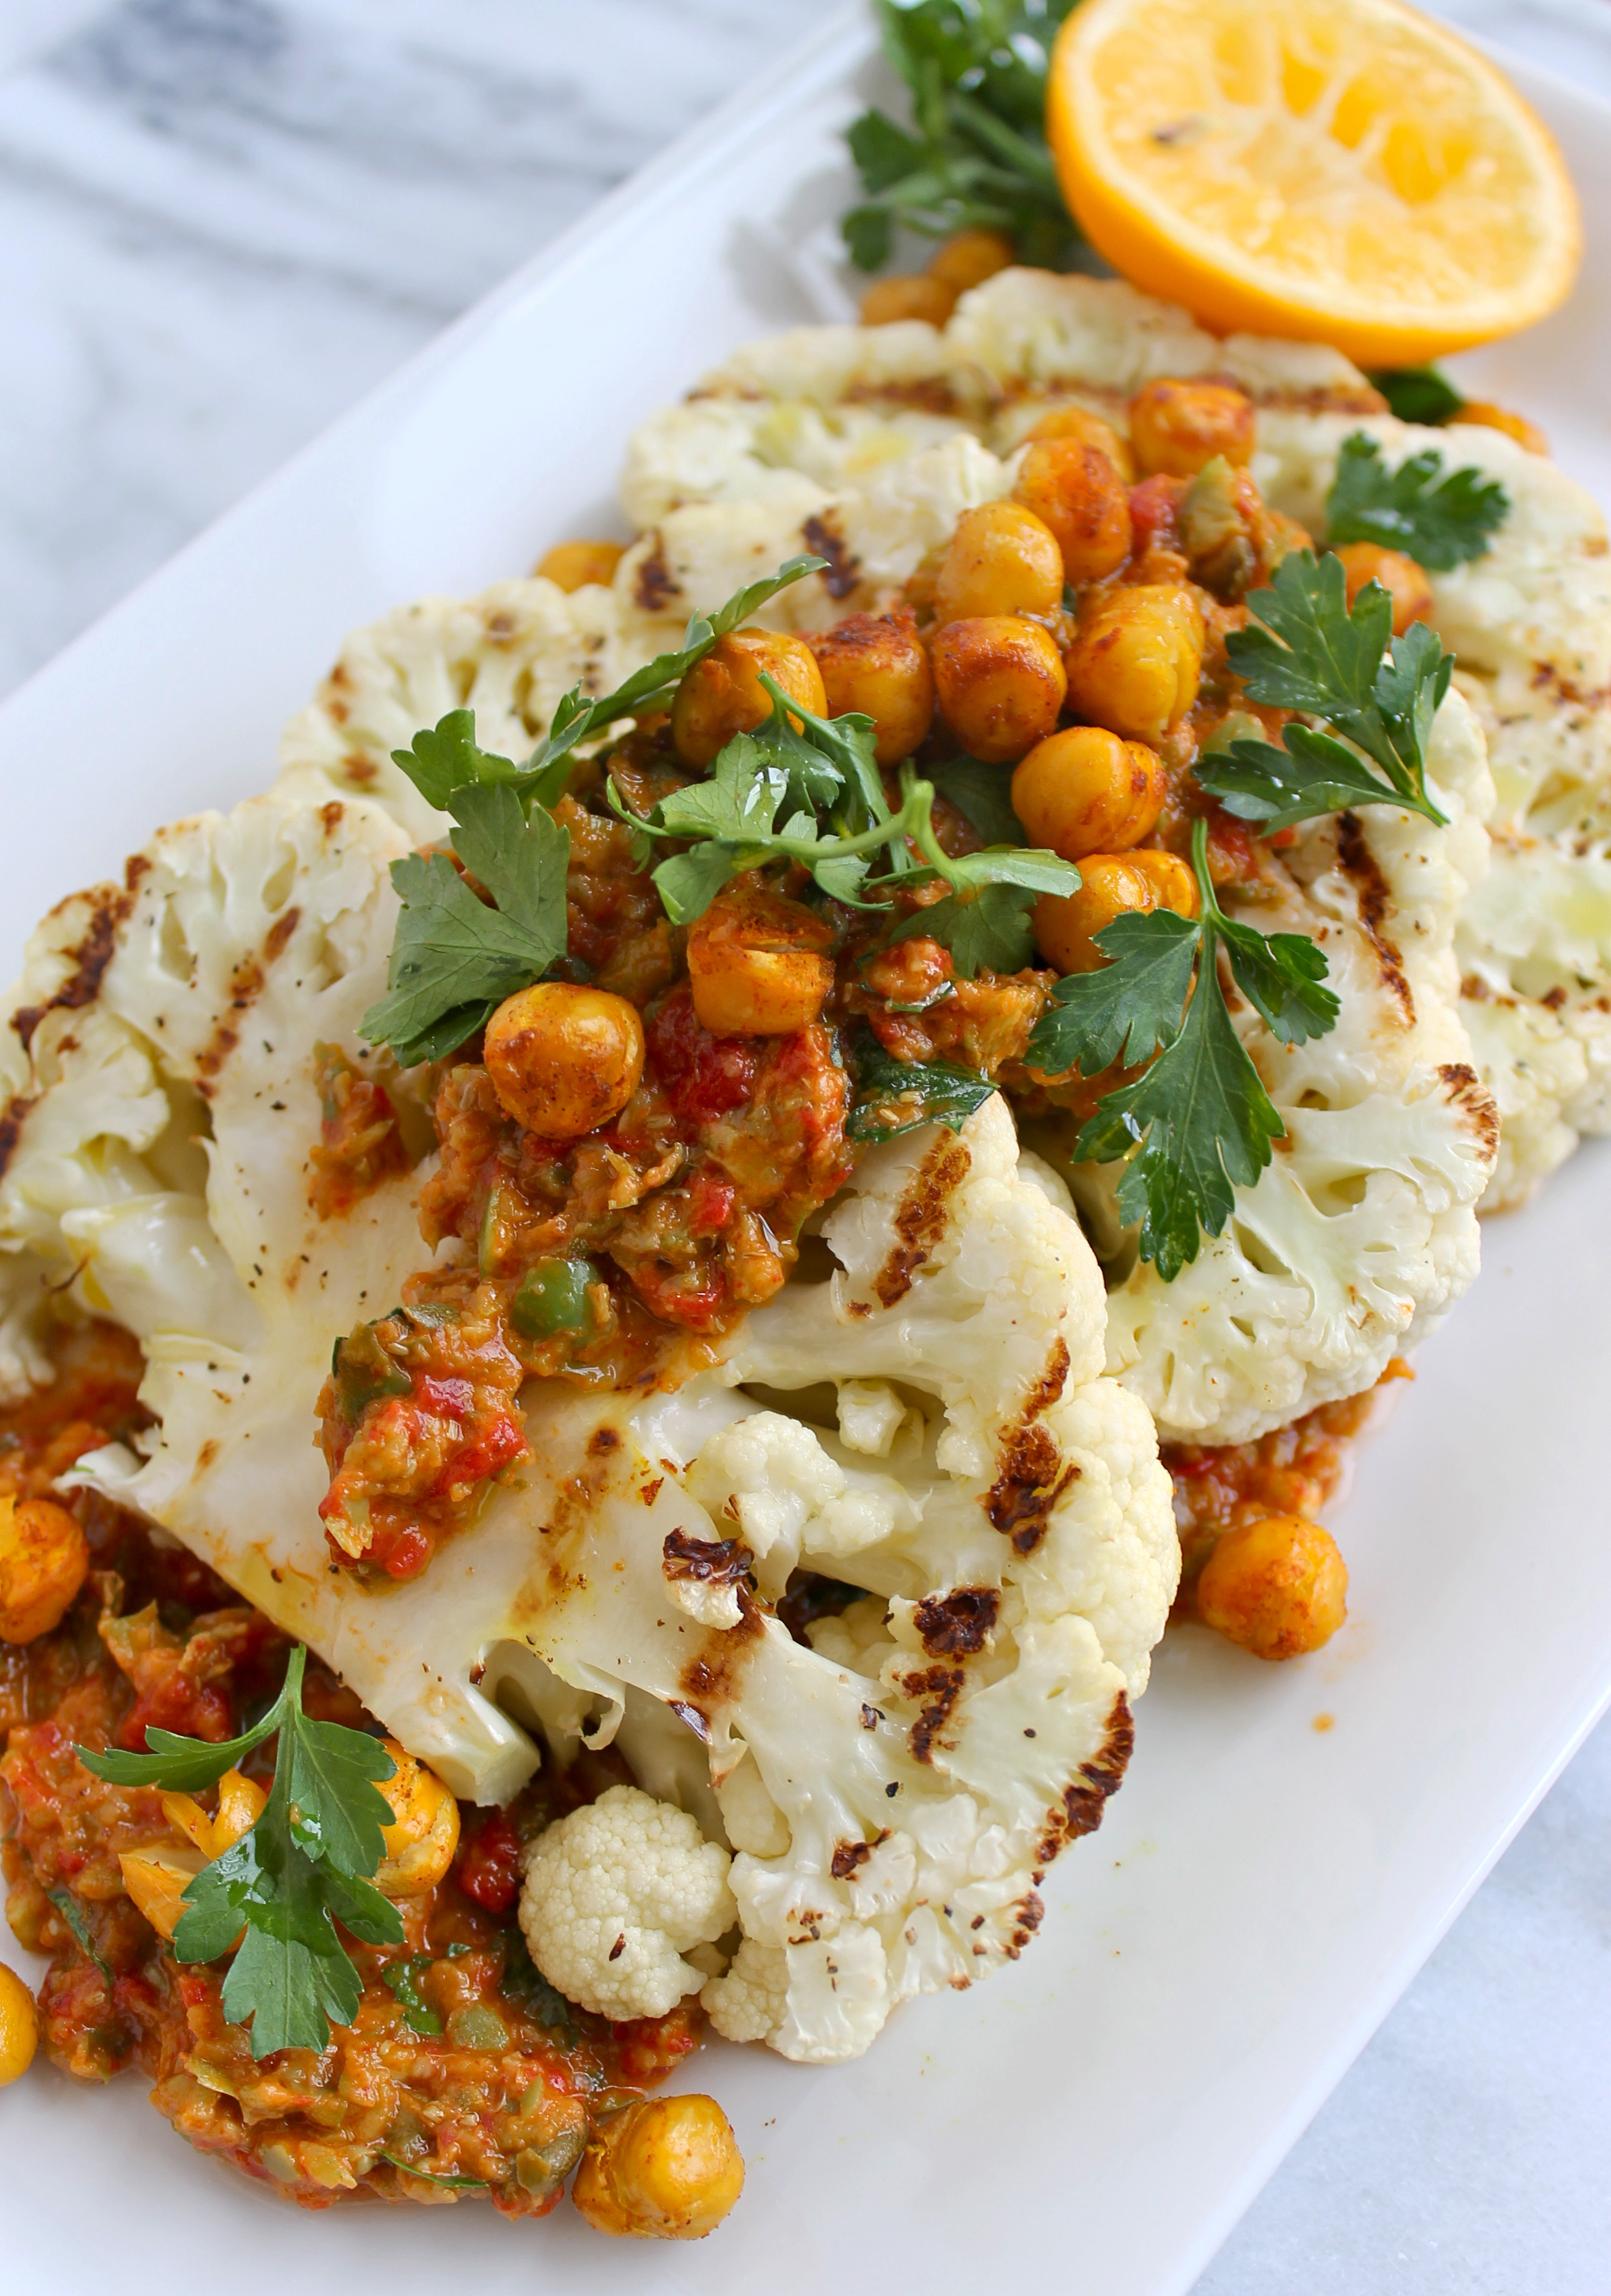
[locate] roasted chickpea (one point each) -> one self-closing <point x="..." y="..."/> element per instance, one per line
<point x="19" y="2027"/>
<point x="1086" y="430"/>
<point x="918" y="296"/>
<point x="43" y="1561"/>
<point x="969" y="258"/>
<point x="241" y="1804"/>
<point x="1174" y="881"/>
<point x="573" y="565"/>
<point x="1078" y="492"/>
<point x="1002" y="558"/>
<point x="1001" y="684"/>
<point x="758" y="965"/>
<point x="420" y="1845"/>
<point x="1084" y="790"/>
<point x="723" y="695"/>
<point x="1066" y="924"/>
<point x="1488" y="417"/>
<point x="1276" y="1587"/>
<point x="1136" y="658"/>
<point x="562" y="1059"/>
<point x="1403" y="580"/>
<point x="878" y="665"/>
<point x="668" y="2169"/>
<point x="1177" y="427"/>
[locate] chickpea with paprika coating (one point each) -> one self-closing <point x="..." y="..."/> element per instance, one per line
<point x="1085" y="791"/>
<point x="668" y="2167"/>
<point x="1066" y="924"/>
<point x="1002" y="558"/>
<point x="877" y="664"/>
<point x="573" y="565"/>
<point x="1172" y="881"/>
<point x="723" y="694"/>
<point x="43" y="1561"/>
<point x="908" y="295"/>
<point x="1179" y="427"/>
<point x="1136" y="659"/>
<point x="1001" y="683"/>
<point x="1276" y="1587"/>
<point x="1086" y="430"/>
<point x="19" y="2027"/>
<point x="969" y="258"/>
<point x="759" y="964"/>
<point x="424" y="1833"/>
<point x="564" y="1060"/>
<point x="1078" y="492"/>
<point x="1403" y="580"/>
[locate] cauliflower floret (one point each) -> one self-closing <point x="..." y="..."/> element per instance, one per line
<point x="615" y="1895"/>
<point x="1529" y="623"/>
<point x="1361" y="1233"/>
<point x="892" y="1795"/>
<point x="508" y="654"/>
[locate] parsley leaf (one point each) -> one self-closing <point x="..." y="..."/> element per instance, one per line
<point x="1416" y="394"/>
<point x="305" y="1865"/>
<point x="984" y="931"/>
<point x="1201" y="1124"/>
<point x="895" y="1096"/>
<point x="982" y="795"/>
<point x="446" y="755"/>
<point x="976" y="153"/>
<point x="454" y="960"/>
<point x="1130" y="1007"/>
<point x="984" y="920"/>
<point x="73" y="1914"/>
<point x="1197" y="1123"/>
<point x="1316" y="654"/>
<point x="521" y="861"/>
<point x="402" y="1978"/>
<point x="1438" y="520"/>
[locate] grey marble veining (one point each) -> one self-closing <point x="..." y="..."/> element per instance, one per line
<point x="221" y="221"/>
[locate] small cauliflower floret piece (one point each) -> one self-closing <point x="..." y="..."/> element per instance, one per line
<point x="615" y="1895"/>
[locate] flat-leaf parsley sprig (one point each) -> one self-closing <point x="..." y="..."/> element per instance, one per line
<point x="1438" y="517"/>
<point x="308" y="1863"/>
<point x="976" y="153"/>
<point x="1313" y="654"/>
<point x="1197" y="1123"/>
<point x="761" y="805"/>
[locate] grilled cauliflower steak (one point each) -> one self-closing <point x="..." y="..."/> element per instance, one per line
<point x="922" y="1414"/>
<point x="1391" y="1139"/>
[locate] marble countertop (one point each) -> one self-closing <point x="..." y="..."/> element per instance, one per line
<point x="220" y="222"/>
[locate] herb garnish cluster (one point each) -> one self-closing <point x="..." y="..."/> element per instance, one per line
<point x="308" y="1863"/>
<point x="975" y="154"/>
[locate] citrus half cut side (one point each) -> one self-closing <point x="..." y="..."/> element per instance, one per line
<point x="1342" y="170"/>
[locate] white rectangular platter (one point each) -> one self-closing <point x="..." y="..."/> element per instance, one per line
<point x="1096" y="2117"/>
